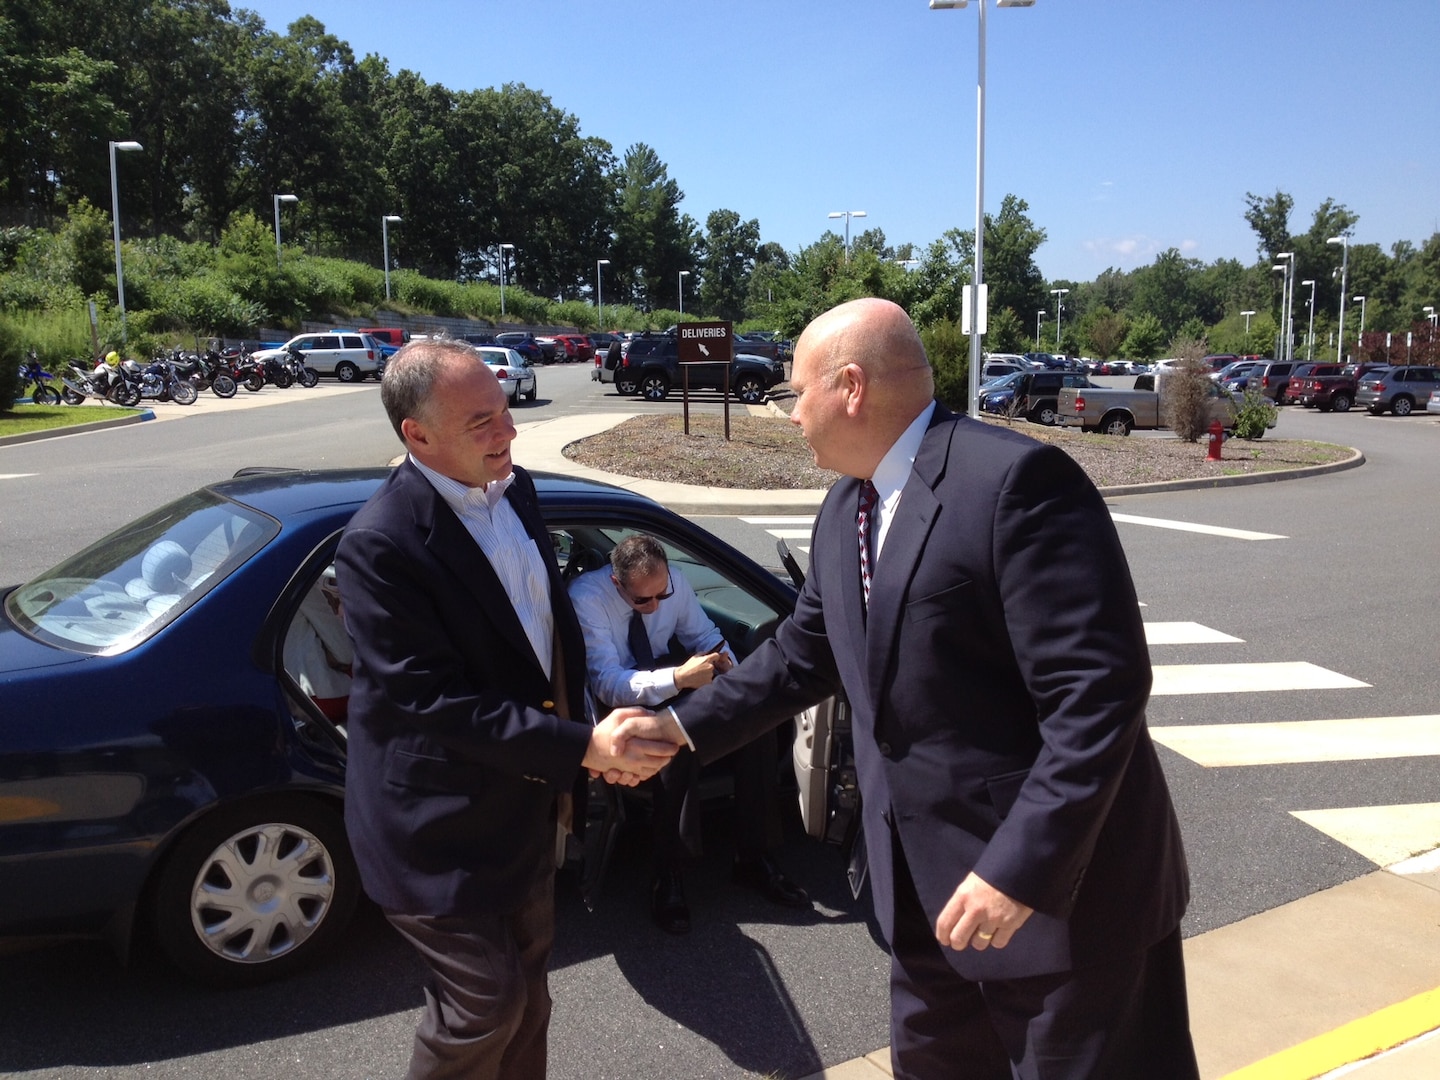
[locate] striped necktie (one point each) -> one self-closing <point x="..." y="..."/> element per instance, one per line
<point x="869" y="498"/>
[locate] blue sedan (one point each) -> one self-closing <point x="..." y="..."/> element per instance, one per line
<point x="172" y="745"/>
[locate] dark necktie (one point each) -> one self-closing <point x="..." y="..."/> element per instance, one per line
<point x="640" y="643"/>
<point x="869" y="498"/>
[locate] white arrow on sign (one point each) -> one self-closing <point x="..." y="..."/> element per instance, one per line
<point x="704" y="351"/>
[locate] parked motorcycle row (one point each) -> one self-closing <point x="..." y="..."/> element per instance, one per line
<point x="176" y="376"/>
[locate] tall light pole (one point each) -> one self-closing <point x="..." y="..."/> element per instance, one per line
<point x="681" y="283"/>
<point x="1059" y="295"/>
<point x="600" y="296"/>
<point x="1287" y="295"/>
<point x="503" y="249"/>
<point x="978" y="276"/>
<point x="1247" y="315"/>
<point x="278" y="200"/>
<point x="1344" y="242"/>
<point x="115" y="219"/>
<point x="1310" y="348"/>
<point x="1039" y="318"/>
<point x="385" y="240"/>
<point x="847" y="215"/>
<point x="1361" y="301"/>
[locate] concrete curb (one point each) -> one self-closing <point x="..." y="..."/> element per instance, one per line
<point x="77" y="429"/>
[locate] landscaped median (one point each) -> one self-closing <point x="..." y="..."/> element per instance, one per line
<point x="26" y="422"/>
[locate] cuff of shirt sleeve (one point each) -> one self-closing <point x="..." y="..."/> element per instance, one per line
<point x="675" y="716"/>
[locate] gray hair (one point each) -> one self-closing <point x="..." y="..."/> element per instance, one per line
<point x="637" y="556"/>
<point x="411" y="374"/>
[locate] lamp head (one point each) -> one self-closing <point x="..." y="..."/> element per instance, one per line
<point x="392" y="217"/>
<point x="126" y="146"/>
<point x="1339" y="240"/>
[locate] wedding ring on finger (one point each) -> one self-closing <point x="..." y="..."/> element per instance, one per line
<point x="983" y="936"/>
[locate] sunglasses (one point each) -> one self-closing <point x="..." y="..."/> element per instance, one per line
<point x="641" y="601"/>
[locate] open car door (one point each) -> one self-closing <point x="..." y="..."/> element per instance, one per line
<point x="823" y="756"/>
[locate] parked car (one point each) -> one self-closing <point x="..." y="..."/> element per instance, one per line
<point x="1233" y="370"/>
<point x="551" y="351"/>
<point x="996" y="395"/>
<point x="1037" y="393"/>
<point x="1270" y="377"/>
<point x="577" y="347"/>
<point x="650" y="366"/>
<point x="350" y="357"/>
<point x="1400" y="389"/>
<point x="515" y="373"/>
<point x="162" y="763"/>
<point x="1336" y="391"/>
<point x="1301" y="379"/>
<point x="525" y="344"/>
<point x="995" y="369"/>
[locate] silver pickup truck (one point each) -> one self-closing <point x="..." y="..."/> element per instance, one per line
<point x="1119" y="411"/>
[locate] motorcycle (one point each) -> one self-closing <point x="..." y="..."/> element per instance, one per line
<point x="99" y="383"/>
<point x="157" y="381"/>
<point x="249" y="372"/>
<point x="302" y="372"/>
<point x="204" y="371"/>
<point x="44" y="393"/>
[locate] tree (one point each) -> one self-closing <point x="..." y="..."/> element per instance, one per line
<point x="1167" y="290"/>
<point x="1145" y="338"/>
<point x="1103" y="330"/>
<point x="653" y="240"/>
<point x="1270" y="218"/>
<point x="727" y="262"/>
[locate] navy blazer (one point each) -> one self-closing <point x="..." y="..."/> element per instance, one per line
<point x="455" y="752"/>
<point x="998" y="685"/>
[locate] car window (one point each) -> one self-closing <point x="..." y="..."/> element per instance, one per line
<point x="348" y="342"/>
<point x="120" y="591"/>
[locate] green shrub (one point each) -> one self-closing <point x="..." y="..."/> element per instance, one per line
<point x="948" y="348"/>
<point x="1255" y="415"/>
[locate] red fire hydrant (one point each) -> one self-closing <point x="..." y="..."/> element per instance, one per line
<point x="1217" y="436"/>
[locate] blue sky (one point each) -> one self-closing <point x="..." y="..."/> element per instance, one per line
<point x="1128" y="126"/>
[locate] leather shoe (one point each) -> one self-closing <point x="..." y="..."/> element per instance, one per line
<point x="667" y="902"/>
<point x="762" y="875"/>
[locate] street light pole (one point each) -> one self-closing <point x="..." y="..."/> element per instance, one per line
<point x="278" y="200"/>
<point x="1344" y="242"/>
<point x="1039" y="318"/>
<point x="1287" y="296"/>
<point x="503" y="248"/>
<point x="1361" y="301"/>
<point x="977" y="277"/>
<point x="1247" y="315"/>
<point x="1310" y="337"/>
<point x="1059" y="295"/>
<point x="600" y="296"/>
<point x="115" y="219"/>
<point x="385" y="239"/>
<point x="847" y="215"/>
<point x="681" y="285"/>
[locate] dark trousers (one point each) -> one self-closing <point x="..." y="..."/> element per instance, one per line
<point x="1125" y="1020"/>
<point x="487" y="1004"/>
<point x="676" y="804"/>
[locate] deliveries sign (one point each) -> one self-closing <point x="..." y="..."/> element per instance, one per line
<point x="704" y="342"/>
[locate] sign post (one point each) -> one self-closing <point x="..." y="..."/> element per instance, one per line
<point x="706" y="343"/>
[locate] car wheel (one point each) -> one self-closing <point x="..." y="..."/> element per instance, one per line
<point x="256" y="891"/>
<point x="750" y="389"/>
<point x="1340" y="402"/>
<point x="655" y="387"/>
<point x="627" y="386"/>
<point x="1402" y="406"/>
<point x="515" y="395"/>
<point x="345" y="371"/>
<point x="1115" y="424"/>
<point x="1045" y="413"/>
<point x="530" y="394"/>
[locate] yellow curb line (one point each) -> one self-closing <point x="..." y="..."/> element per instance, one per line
<point x="1349" y="1043"/>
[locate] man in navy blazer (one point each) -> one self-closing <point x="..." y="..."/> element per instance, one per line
<point x="1025" y="859"/>
<point x="467" y="731"/>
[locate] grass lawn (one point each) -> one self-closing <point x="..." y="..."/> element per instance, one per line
<point x="22" y="419"/>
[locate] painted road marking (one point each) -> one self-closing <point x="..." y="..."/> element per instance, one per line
<point x="16" y="475"/>
<point x="1172" y="679"/>
<point x="1383" y="834"/>
<point x="1190" y="526"/>
<point x="1219" y="746"/>
<point x="1184" y="633"/>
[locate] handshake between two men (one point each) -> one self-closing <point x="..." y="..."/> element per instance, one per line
<point x="632" y="744"/>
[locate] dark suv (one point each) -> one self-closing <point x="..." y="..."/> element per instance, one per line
<point x="650" y="366"/>
<point x="1271" y="377"/>
<point x="1037" y="394"/>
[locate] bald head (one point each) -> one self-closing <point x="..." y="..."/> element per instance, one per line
<point x="862" y="377"/>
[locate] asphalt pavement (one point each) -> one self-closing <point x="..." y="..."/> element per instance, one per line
<point x="1344" y="981"/>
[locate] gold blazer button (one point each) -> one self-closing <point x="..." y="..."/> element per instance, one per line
<point x="547" y="704"/>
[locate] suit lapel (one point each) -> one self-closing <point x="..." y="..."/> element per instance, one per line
<point x="905" y="540"/>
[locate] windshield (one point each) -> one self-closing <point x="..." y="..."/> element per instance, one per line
<point x="122" y="590"/>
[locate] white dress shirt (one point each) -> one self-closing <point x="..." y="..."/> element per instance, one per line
<point x="892" y="474"/>
<point x="490" y="519"/>
<point x="605" y="619"/>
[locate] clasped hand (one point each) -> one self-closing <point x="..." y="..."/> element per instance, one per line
<point x="630" y="745"/>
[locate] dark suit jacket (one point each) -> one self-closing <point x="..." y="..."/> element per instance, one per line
<point x="455" y="752"/>
<point x="998" y="689"/>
